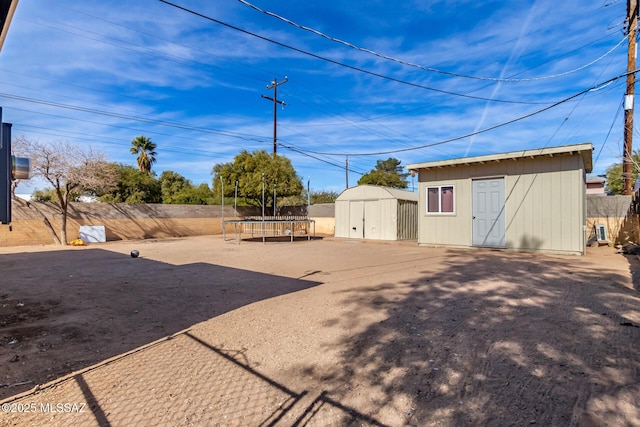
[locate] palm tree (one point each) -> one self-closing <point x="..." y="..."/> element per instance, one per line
<point x="146" y="152"/>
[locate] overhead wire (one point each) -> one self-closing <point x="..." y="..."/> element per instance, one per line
<point x="577" y="104"/>
<point x="120" y="41"/>
<point x="116" y="141"/>
<point x="118" y="45"/>
<point x="300" y="151"/>
<point x="133" y="118"/>
<point x="499" y="125"/>
<point x="182" y="150"/>
<point x="126" y="45"/>
<point x="398" y="112"/>
<point x="127" y="27"/>
<point x="422" y="67"/>
<point x="615" y="118"/>
<point x="110" y="114"/>
<point x="342" y="64"/>
<point x="356" y="154"/>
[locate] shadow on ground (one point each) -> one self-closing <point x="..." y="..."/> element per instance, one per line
<point x="634" y="269"/>
<point x="184" y="380"/>
<point x="276" y="239"/>
<point x="61" y="311"/>
<point x="494" y="339"/>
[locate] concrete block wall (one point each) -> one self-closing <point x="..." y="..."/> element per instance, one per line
<point x="613" y="213"/>
<point x="128" y="222"/>
<point x="124" y="222"/>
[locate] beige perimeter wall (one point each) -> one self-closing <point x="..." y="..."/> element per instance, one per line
<point x="544" y="204"/>
<point x="613" y="212"/>
<point x="128" y="222"/>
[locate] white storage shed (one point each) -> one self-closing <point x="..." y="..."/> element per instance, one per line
<point x="377" y="213"/>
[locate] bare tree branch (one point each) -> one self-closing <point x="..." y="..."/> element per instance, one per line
<point x="71" y="170"/>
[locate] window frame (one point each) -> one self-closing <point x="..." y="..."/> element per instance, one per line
<point x="439" y="188"/>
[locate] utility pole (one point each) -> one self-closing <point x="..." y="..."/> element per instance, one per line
<point x="627" y="162"/>
<point x="274" y="84"/>
<point x="346" y="171"/>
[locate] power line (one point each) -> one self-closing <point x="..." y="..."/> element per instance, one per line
<point x="300" y="151"/>
<point x="167" y="40"/>
<point x="342" y="166"/>
<point x="132" y="118"/>
<point x="475" y="90"/>
<point x="154" y="132"/>
<point x="127" y="45"/>
<point x="142" y="47"/>
<point x="81" y="34"/>
<point x="615" y="118"/>
<point x="116" y="141"/>
<point x="124" y="27"/>
<point x="305" y="152"/>
<point x="422" y="67"/>
<point x="342" y="64"/>
<point x="201" y="153"/>
<point x="517" y="119"/>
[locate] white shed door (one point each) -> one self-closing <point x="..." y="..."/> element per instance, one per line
<point x="488" y="212"/>
<point x="356" y="219"/>
<point x="372" y="219"/>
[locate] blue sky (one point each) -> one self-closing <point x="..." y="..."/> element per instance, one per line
<point x="102" y="72"/>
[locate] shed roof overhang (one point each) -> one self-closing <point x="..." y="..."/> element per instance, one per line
<point x="585" y="150"/>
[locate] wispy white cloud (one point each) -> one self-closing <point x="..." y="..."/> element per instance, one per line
<point x="152" y="61"/>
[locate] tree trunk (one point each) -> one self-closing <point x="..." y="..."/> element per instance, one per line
<point x="63" y="221"/>
<point x="63" y="227"/>
<point x="64" y="206"/>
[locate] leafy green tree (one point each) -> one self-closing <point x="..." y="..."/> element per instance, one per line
<point x="46" y="195"/>
<point x="172" y="184"/>
<point x="133" y="186"/>
<point x="176" y="189"/>
<point x="388" y="173"/>
<point x="323" y="197"/>
<point x="200" y="195"/>
<point x="145" y="149"/>
<point x="298" y="200"/>
<point x="614" y="174"/>
<point x="248" y="170"/>
<point x="49" y="195"/>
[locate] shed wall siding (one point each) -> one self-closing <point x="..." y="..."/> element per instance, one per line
<point x="407" y="225"/>
<point x="544" y="204"/>
<point x="372" y="219"/>
<point x="388" y="219"/>
<point x="342" y="218"/>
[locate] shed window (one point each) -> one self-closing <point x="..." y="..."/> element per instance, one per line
<point x="440" y="199"/>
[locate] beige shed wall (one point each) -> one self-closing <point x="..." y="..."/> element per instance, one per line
<point x="544" y="204"/>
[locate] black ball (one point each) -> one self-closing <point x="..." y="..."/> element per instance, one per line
<point x="134" y="253"/>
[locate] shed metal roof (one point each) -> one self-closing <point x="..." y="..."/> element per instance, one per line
<point x="585" y="150"/>
<point x="362" y="192"/>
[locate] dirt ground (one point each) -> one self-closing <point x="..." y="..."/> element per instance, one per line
<point x="316" y="333"/>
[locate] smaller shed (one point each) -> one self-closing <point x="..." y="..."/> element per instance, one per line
<point x="377" y="213"/>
